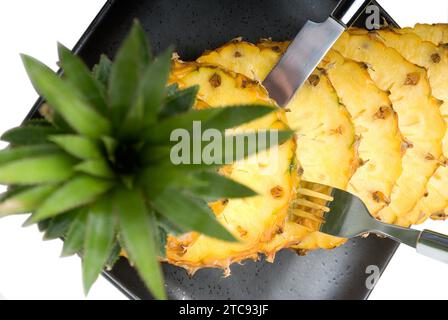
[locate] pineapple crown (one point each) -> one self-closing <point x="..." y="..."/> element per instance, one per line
<point x="96" y="170"/>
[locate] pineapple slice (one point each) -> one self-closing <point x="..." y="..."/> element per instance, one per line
<point x="253" y="61"/>
<point x="326" y="145"/>
<point x="254" y="220"/>
<point x="374" y="120"/>
<point x="436" y="33"/>
<point x="325" y="134"/>
<point x="419" y="117"/>
<point x="326" y="138"/>
<point x="435" y="60"/>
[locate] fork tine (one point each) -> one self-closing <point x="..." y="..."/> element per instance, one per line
<point x="314" y="194"/>
<point x="312" y="205"/>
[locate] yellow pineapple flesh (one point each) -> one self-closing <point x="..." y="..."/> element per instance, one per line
<point x="253" y="61"/>
<point x="435" y="60"/>
<point x="375" y="121"/>
<point x="256" y="220"/>
<point x="420" y="120"/>
<point x="325" y="134"/>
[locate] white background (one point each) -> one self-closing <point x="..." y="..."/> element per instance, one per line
<point x="31" y="268"/>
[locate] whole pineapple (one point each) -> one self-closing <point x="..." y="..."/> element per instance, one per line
<point x="97" y="170"/>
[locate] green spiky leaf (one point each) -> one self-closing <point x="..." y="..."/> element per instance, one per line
<point x="74" y="242"/>
<point x="24" y="200"/>
<point x="17" y="153"/>
<point x="78" y="146"/>
<point x="215" y="118"/>
<point x="137" y="231"/>
<point x="81" y="78"/>
<point x="61" y="96"/>
<point x="79" y="191"/>
<point x="43" y="169"/>
<point x="29" y="135"/>
<point x="179" y="102"/>
<point x="58" y="226"/>
<point x="101" y="71"/>
<point x="99" y="239"/>
<point x="190" y="213"/>
<point x="216" y="186"/>
<point x="130" y="63"/>
<point x="97" y="167"/>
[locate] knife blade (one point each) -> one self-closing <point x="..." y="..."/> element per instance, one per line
<point x="307" y="49"/>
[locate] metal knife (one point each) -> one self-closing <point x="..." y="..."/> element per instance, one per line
<point x="308" y="48"/>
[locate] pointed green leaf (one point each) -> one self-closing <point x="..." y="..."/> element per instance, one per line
<point x="110" y="144"/>
<point x="179" y="102"/>
<point x="78" y="146"/>
<point x="77" y="73"/>
<point x="43" y="169"/>
<point x="61" y="96"/>
<point x="24" y="201"/>
<point x="172" y="89"/>
<point x="98" y="168"/>
<point x="138" y="238"/>
<point x="43" y="225"/>
<point x="190" y="213"/>
<point x="101" y="71"/>
<point x="99" y="238"/>
<point x="129" y="64"/>
<point x="170" y="227"/>
<point x="190" y="152"/>
<point x="214" y="118"/>
<point x="17" y="153"/>
<point x="153" y="84"/>
<point x="155" y="179"/>
<point x="149" y="96"/>
<point x="216" y="186"/>
<point x="79" y="191"/>
<point x="29" y="135"/>
<point x="59" y="225"/>
<point x="74" y="242"/>
<point x="114" y="256"/>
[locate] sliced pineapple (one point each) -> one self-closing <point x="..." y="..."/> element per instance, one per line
<point x="419" y="117"/>
<point x="325" y="134"/>
<point x="253" y="61"/>
<point x="436" y="33"/>
<point x="375" y="121"/>
<point x="254" y="220"/>
<point x="435" y="60"/>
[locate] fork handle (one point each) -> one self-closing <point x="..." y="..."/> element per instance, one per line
<point x="433" y="245"/>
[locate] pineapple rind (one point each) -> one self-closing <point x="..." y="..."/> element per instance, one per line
<point x="419" y="116"/>
<point x="436" y="33"/>
<point x="435" y="60"/>
<point x="376" y="126"/>
<point x="256" y="220"/>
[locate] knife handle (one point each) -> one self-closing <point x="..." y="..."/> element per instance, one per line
<point x="348" y="11"/>
<point x="433" y="245"/>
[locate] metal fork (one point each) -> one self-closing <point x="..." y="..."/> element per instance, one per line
<point x="345" y="215"/>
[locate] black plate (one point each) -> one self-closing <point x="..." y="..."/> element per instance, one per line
<point x="194" y="26"/>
